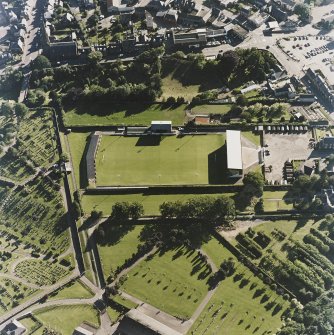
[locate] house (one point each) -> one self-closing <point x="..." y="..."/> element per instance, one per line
<point x="237" y="32"/>
<point x="161" y="127"/>
<point x="306" y="98"/>
<point x="321" y="86"/>
<point x="283" y="89"/>
<point x="326" y="143"/>
<point x="62" y="50"/>
<point x="197" y="17"/>
<point x="309" y="167"/>
<point x="150" y="24"/>
<point x="89" y="4"/>
<point x="234" y="153"/>
<point x="171" y="16"/>
<point x="13" y="328"/>
<point x="193" y="37"/>
<point x="278" y="14"/>
<point x="258" y="19"/>
<point x="119" y="6"/>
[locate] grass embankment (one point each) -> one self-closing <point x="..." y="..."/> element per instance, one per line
<point x="125" y="114"/>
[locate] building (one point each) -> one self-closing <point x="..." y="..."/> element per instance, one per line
<point x="198" y="16"/>
<point x="193" y="37"/>
<point x="321" y="86"/>
<point x="13" y="328"/>
<point x="327" y="143"/>
<point x="161" y="127"/>
<point x="306" y="98"/>
<point x="278" y="14"/>
<point x="82" y="331"/>
<point x="234" y="153"/>
<point x="90" y="157"/>
<point x="237" y="32"/>
<point x="62" y="50"/>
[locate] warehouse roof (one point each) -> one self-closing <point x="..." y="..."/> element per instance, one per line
<point x="233" y="144"/>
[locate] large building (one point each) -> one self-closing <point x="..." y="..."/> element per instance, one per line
<point x="90" y="158"/>
<point x="234" y="153"/>
<point x="193" y="37"/>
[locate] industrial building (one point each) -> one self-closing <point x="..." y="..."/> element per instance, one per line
<point x="234" y="153"/>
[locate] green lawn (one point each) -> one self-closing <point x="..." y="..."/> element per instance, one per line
<point x="211" y="109"/>
<point x="170" y="282"/>
<point x="125" y="114"/>
<point x="78" y="142"/>
<point x="151" y="202"/>
<point x="254" y="138"/>
<point x="154" y="160"/>
<point x="274" y="201"/>
<point x="118" y="245"/>
<point x="64" y="319"/>
<point x="171" y="87"/>
<point x="74" y="290"/>
<point x="234" y="309"/>
<point x="216" y="251"/>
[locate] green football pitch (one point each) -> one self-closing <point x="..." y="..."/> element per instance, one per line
<point x="161" y="160"/>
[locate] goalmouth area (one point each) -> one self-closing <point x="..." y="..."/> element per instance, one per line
<point x="161" y="160"/>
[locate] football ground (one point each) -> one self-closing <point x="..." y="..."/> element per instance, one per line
<point x="160" y="160"/>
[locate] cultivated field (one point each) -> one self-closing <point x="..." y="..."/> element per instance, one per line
<point x="160" y="160"/>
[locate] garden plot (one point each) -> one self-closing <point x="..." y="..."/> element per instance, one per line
<point x="35" y="147"/>
<point x="35" y="215"/>
<point x="13" y="293"/>
<point x="42" y="273"/>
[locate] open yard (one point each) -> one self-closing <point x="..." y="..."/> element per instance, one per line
<point x="151" y="202"/>
<point x="155" y="160"/>
<point x="64" y="319"/>
<point x="125" y="114"/>
<point x="174" y="281"/>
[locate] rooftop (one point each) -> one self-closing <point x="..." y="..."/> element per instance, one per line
<point x="233" y="144"/>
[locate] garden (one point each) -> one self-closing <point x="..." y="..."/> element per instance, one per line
<point x="73" y="290"/>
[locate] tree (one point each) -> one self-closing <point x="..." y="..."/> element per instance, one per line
<point x="6" y="109"/>
<point x="40" y="63"/>
<point x="64" y="157"/>
<point x="253" y="184"/>
<point x="95" y="215"/>
<point x="303" y="11"/>
<point x="21" y="110"/>
<point x="242" y="100"/>
<point x="229" y="61"/>
<point x="95" y="57"/>
<point x="228" y="267"/>
<point x="136" y="210"/>
<point x="120" y="211"/>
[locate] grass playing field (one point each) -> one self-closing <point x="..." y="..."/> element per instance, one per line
<point x="155" y="160"/>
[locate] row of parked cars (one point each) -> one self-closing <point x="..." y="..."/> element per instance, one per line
<point x="286" y="129"/>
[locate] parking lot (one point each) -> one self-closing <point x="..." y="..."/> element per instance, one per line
<point x="316" y="52"/>
<point x="282" y="147"/>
